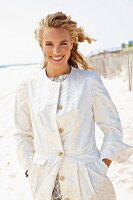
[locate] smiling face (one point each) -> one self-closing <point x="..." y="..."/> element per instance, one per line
<point x="56" y="46"/>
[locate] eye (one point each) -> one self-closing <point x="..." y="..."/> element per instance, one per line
<point x="64" y="43"/>
<point x="48" y="44"/>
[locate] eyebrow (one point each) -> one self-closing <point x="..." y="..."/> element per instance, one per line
<point x="64" y="41"/>
<point x="60" y="41"/>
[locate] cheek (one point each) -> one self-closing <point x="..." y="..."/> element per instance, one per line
<point x="46" y="52"/>
<point x="67" y="50"/>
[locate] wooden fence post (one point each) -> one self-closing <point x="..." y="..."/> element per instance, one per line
<point x="129" y="67"/>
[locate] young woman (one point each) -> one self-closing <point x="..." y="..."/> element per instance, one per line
<point x="55" y="116"/>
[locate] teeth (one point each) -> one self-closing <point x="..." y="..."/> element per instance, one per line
<point x="57" y="58"/>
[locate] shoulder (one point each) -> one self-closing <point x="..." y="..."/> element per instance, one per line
<point x="31" y="75"/>
<point x="90" y="74"/>
<point x="27" y="76"/>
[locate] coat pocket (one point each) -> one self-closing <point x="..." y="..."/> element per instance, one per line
<point x="97" y="171"/>
<point x="39" y="159"/>
<point x="38" y="171"/>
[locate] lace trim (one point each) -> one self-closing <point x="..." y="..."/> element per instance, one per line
<point x="59" y="78"/>
<point x="56" y="191"/>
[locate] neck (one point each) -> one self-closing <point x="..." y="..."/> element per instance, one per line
<point x="55" y="72"/>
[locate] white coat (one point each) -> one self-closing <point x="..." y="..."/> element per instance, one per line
<point x="55" y="133"/>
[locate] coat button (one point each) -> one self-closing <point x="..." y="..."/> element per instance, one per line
<point x="61" y="130"/>
<point x="59" y="107"/>
<point x="60" y="153"/>
<point x="62" y="178"/>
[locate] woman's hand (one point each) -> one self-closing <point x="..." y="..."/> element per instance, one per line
<point x="107" y="161"/>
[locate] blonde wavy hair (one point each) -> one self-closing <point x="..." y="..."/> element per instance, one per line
<point x="60" y="20"/>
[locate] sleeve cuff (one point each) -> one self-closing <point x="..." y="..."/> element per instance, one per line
<point x="116" y="151"/>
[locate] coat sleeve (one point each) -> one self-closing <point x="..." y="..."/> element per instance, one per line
<point x="107" y="118"/>
<point x="23" y="129"/>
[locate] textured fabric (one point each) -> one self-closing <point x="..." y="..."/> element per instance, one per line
<point x="59" y="78"/>
<point x="56" y="191"/>
<point x="52" y="143"/>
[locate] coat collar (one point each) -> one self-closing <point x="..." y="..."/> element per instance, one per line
<point x="56" y="83"/>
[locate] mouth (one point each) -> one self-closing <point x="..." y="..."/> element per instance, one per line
<point x="57" y="59"/>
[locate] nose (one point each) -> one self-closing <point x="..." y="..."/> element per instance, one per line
<point x="56" y="50"/>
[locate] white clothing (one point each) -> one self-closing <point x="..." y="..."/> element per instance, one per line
<point x="56" y="191"/>
<point x="64" y="143"/>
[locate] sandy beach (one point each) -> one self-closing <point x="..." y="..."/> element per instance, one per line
<point x="13" y="184"/>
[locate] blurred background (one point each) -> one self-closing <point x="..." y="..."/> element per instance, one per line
<point x="110" y="23"/>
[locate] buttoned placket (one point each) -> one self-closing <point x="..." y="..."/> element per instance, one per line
<point x="60" y="106"/>
<point x="59" y="110"/>
<point x="54" y="89"/>
<point x="61" y="131"/>
<point x="57" y="107"/>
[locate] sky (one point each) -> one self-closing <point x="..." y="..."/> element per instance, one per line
<point x="108" y="21"/>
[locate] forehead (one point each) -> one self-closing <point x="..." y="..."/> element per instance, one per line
<point x="50" y="34"/>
